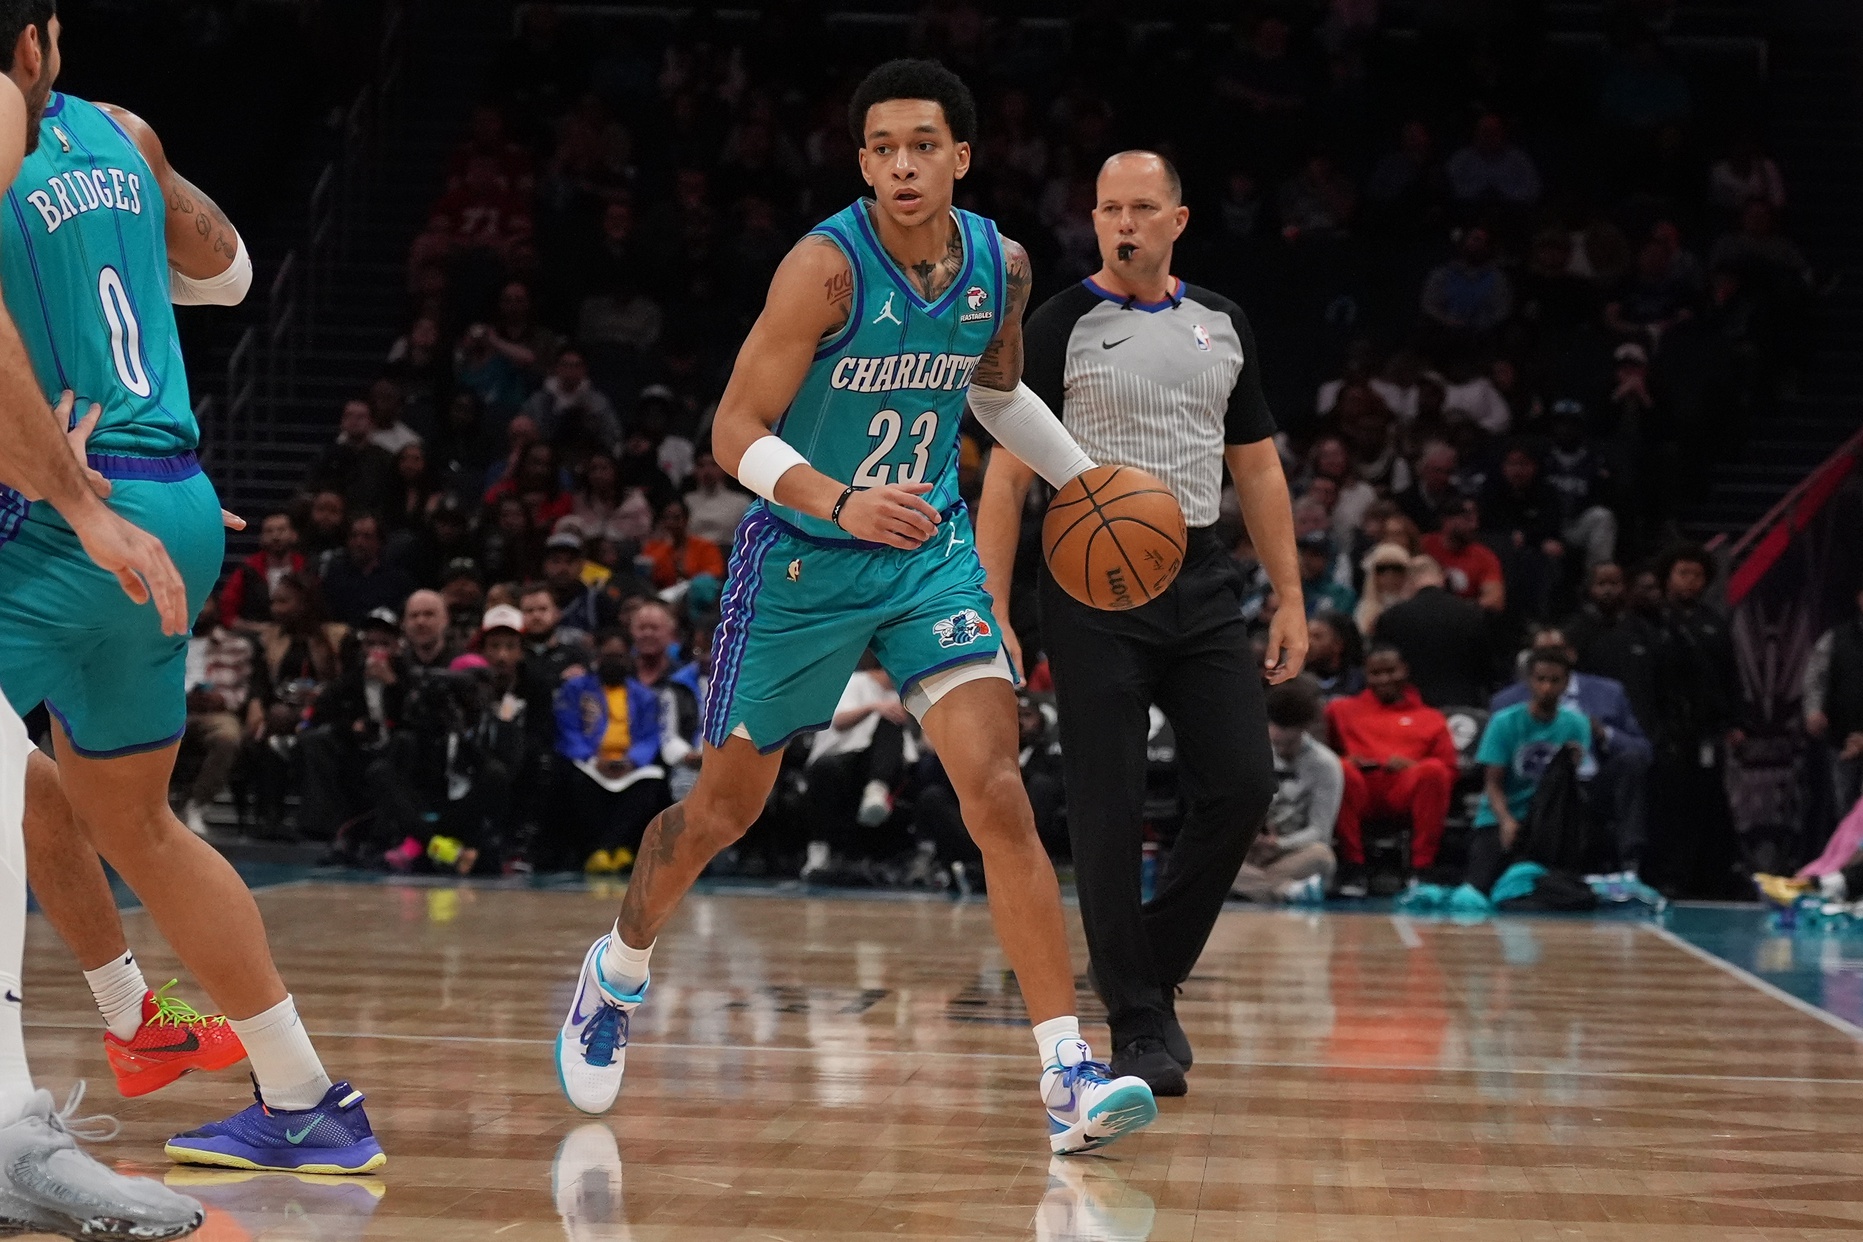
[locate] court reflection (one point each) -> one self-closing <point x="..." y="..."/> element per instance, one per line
<point x="278" y="1207"/>
<point x="1088" y="1201"/>
<point x="585" y="1182"/>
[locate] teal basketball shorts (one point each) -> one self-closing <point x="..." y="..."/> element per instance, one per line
<point x="70" y="638"/>
<point x="798" y="611"/>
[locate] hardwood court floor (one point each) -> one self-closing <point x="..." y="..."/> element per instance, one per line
<point x="841" y="1069"/>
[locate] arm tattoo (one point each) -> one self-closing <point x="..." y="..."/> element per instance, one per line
<point x="185" y="200"/>
<point x="934" y="278"/>
<point x="839" y="287"/>
<point x="1001" y="367"/>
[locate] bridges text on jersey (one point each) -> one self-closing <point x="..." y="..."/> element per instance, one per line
<point x="74" y="193"/>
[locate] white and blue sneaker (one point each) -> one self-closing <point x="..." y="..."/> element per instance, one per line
<point x="591" y="1049"/>
<point x="1087" y="1106"/>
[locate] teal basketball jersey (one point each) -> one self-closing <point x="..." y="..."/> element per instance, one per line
<point x="885" y="395"/>
<point x="84" y="257"/>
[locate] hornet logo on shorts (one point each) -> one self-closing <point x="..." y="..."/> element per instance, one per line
<point x="975" y="297"/>
<point x="961" y="629"/>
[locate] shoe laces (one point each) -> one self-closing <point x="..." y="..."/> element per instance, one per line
<point x="100" y="1128"/>
<point x="173" y="1011"/>
<point x="1089" y="1072"/>
<point x="603" y="1035"/>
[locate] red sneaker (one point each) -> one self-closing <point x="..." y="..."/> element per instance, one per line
<point x="174" y="1039"/>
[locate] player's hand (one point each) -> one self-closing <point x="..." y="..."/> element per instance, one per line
<point x="232" y="521"/>
<point x="894" y="514"/>
<point x="77" y="437"/>
<point x="1287" y="646"/>
<point x="138" y="560"/>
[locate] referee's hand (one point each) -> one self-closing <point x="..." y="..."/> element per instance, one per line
<point x="894" y="514"/>
<point x="1287" y="646"/>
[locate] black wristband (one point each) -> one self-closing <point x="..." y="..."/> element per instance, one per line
<point x="835" y="515"/>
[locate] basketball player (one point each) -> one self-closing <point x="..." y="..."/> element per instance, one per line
<point x="876" y="325"/>
<point x="101" y="234"/>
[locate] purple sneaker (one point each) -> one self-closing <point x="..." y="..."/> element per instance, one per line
<point x="333" y="1137"/>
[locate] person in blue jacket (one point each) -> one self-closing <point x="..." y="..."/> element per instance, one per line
<point x="609" y="734"/>
<point x="1620" y="789"/>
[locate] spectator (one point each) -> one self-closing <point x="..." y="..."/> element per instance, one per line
<point x="1330" y="459"/>
<point x="227" y="693"/>
<point x="529" y="346"/>
<point x="1469" y="296"/>
<point x="520" y="433"/>
<point x="355" y="466"/>
<point x="1263" y="78"/>
<point x="463" y="589"/>
<point x="854" y="766"/>
<point x="586" y="605"/>
<point x="598" y="499"/>
<point x="1399" y="762"/>
<point x="677" y="555"/>
<point x="1491" y="170"/>
<point x="1747" y="175"/>
<point x="1520" y="512"/>
<point x="1370" y="432"/>
<point x="716" y="504"/>
<point x="1292" y="857"/>
<point x="1553" y="301"/>
<point x="416" y="492"/>
<point x="1516" y="749"/>
<point x="1434" y="487"/>
<point x="1833" y="705"/>
<point x="539" y="484"/>
<point x="1768" y="262"/>
<point x="1318" y="200"/>
<point x="424" y="629"/>
<point x="422" y="367"/>
<point x="360" y="581"/>
<point x="326" y="524"/>
<point x="1471" y="570"/>
<point x="1620" y="787"/>
<point x="245" y="597"/>
<point x="443" y="537"/>
<point x="572" y="414"/>
<point x="553" y="652"/>
<point x="1333" y="659"/>
<point x="1442" y="638"/>
<point x="512" y="549"/>
<point x="489" y="374"/>
<point x="1585" y="484"/>
<point x="350" y="727"/>
<point x="654" y="631"/>
<point x="1323" y="592"/>
<point x="1387" y="583"/>
<point x="1408" y="188"/>
<point x="299" y="661"/>
<point x="387" y="431"/>
<point x="1651" y="302"/>
<point x="1610" y="640"/>
<point x="640" y="469"/>
<point x="608" y="730"/>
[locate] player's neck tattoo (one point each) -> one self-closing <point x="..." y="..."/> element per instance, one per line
<point x="932" y="278"/>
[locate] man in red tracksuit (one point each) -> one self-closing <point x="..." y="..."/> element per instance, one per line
<point x="1398" y="759"/>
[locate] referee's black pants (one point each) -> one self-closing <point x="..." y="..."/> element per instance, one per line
<point x="1188" y="652"/>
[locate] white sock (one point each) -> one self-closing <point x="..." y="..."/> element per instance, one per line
<point x="1832" y="887"/>
<point x="624" y="966"/>
<point x="1051" y="1035"/>
<point x="16" y="1089"/>
<point x="289" y="1073"/>
<point x="119" y="987"/>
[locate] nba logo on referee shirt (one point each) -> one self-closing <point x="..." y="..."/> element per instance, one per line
<point x="1201" y="335"/>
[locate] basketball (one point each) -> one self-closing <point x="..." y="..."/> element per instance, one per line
<point x="1114" y="538"/>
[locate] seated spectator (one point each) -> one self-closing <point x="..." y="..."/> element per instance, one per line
<point x="539" y="484"/>
<point x="1318" y="200"/>
<point x="1434" y="487"/>
<point x="1833" y="705"/>
<point x="1553" y="301"/>
<point x="1585" y="484"/>
<point x="937" y="820"/>
<point x="299" y="662"/>
<point x="1334" y="656"/>
<point x="572" y="414"/>
<point x="1610" y="640"/>
<point x="1330" y="459"/>
<point x="444" y="536"/>
<point x="530" y="346"/>
<point x="553" y="652"/>
<point x="486" y="372"/>
<point x="608" y="734"/>
<point x="463" y="589"/>
<point x="657" y="414"/>
<point x="227" y="694"/>
<point x="1469" y="296"/>
<point x="854" y="766"/>
<point x="640" y="468"/>
<point x="1470" y="569"/>
<point x="1408" y="188"/>
<point x="245" y="596"/>
<point x="1492" y="170"/>
<point x="1520" y="513"/>
<point x="1370" y="432"/>
<point x="586" y="605"/>
<point x="326" y="524"/>
<point x="1515" y="751"/>
<point x="387" y="431"/>
<point x="354" y="466"/>
<point x="1651" y="302"/>
<point x="1442" y="638"/>
<point x="511" y="546"/>
<point x="1767" y="261"/>
<point x="1323" y="592"/>
<point x="1292" y="857"/>
<point x="654" y="632"/>
<point x="1399" y="762"/>
<point x="416" y="495"/>
<point x="349" y="730"/>
<point x="599" y="497"/>
<point x="360" y="580"/>
<point x="715" y="502"/>
<point x="1747" y="175"/>
<point x="677" y="555"/>
<point x="426" y="644"/>
<point x="421" y="365"/>
<point x="1620" y="788"/>
<point x="1387" y="583"/>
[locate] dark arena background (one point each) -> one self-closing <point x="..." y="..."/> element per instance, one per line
<point x="1558" y="309"/>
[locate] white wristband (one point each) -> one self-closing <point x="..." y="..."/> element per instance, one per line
<point x="1023" y="424"/>
<point x="227" y="289"/>
<point x="765" y="462"/>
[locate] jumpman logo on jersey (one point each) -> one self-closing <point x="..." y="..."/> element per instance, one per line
<point x="951" y="546"/>
<point x="886" y="313"/>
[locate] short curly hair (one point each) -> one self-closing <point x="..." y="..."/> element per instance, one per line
<point x="914" y="79"/>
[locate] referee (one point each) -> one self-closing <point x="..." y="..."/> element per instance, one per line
<point x="1148" y="371"/>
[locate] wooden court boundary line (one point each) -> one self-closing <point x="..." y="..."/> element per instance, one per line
<point x="1758" y="984"/>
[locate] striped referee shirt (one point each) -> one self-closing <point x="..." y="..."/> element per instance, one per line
<point x="1163" y="386"/>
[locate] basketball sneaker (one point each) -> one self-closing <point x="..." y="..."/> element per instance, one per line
<point x="591" y="1049"/>
<point x="174" y="1039"/>
<point x="333" y="1137"/>
<point x="47" y="1185"/>
<point x="1087" y="1106"/>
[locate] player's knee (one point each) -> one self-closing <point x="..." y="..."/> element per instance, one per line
<point x="721" y="815"/>
<point x="995" y="804"/>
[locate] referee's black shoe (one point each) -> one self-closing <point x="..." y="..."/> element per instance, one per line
<point x="1175" y="1041"/>
<point x="1146" y="1057"/>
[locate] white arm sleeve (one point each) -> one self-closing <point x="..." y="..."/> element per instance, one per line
<point x="227" y="289"/>
<point x="1023" y="424"/>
